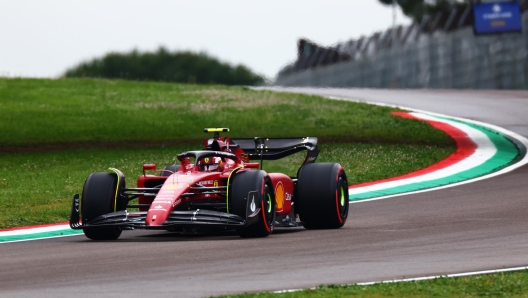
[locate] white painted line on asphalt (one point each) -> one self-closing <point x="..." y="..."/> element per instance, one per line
<point x="493" y="271"/>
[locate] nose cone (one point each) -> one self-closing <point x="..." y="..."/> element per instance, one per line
<point x="157" y="214"/>
<point x="166" y="199"/>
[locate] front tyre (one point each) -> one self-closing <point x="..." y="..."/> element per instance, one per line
<point x="98" y="198"/>
<point x="322" y="196"/>
<point x="251" y="196"/>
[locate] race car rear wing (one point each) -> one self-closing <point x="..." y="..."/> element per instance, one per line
<point x="259" y="148"/>
<point x="276" y="148"/>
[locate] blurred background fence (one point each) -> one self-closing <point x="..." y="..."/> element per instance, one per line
<point x="440" y="52"/>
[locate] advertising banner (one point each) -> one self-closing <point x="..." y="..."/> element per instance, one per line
<point x="497" y="17"/>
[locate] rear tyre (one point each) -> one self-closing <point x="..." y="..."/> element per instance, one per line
<point x="98" y="198"/>
<point x="256" y="187"/>
<point x="172" y="168"/>
<point x="322" y="196"/>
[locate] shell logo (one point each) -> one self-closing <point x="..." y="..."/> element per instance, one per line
<point x="171" y="186"/>
<point x="279" y="196"/>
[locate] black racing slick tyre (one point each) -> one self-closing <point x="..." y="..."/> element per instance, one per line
<point x="251" y="196"/>
<point x="172" y="168"/>
<point x="98" y="198"/>
<point x="322" y="196"/>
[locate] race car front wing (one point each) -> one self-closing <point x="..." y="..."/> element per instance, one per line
<point x="191" y="218"/>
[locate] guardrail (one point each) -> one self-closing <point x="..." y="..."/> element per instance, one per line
<point x="441" y="52"/>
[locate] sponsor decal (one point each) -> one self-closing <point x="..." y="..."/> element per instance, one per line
<point x="194" y="214"/>
<point x="209" y="183"/>
<point x="164" y="197"/>
<point x="253" y="210"/>
<point x="497" y="17"/>
<point x="497" y="13"/>
<point x="167" y="192"/>
<point x="172" y="186"/>
<point x="252" y="206"/>
<point x="183" y="178"/>
<point x="162" y="201"/>
<point x="310" y="159"/>
<point x="159" y="208"/>
<point x="76" y="203"/>
<point x="279" y="196"/>
<point x="176" y="203"/>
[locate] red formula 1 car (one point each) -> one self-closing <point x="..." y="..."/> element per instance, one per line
<point x="218" y="188"/>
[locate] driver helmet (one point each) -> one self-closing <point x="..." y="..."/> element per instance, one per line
<point x="210" y="164"/>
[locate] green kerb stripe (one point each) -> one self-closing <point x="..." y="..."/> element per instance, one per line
<point x="506" y="153"/>
<point x="65" y="232"/>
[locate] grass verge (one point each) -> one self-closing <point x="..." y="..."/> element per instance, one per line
<point x="36" y="188"/>
<point x="508" y="284"/>
<point x="85" y="112"/>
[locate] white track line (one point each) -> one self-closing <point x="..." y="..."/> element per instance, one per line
<point x="493" y="271"/>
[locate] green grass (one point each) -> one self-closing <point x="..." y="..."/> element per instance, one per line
<point x="37" y="188"/>
<point x="79" y="126"/>
<point x="68" y="111"/>
<point x="508" y="284"/>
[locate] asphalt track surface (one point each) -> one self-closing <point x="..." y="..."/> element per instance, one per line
<point x="477" y="226"/>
